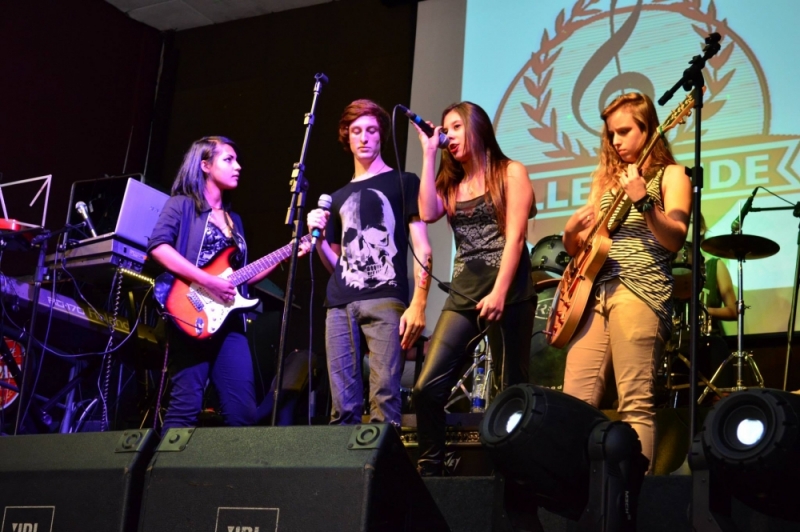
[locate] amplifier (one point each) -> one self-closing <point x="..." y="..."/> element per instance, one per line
<point x="464" y="454"/>
<point x="109" y="251"/>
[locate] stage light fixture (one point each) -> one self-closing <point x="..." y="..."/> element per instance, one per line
<point x="748" y="450"/>
<point x="560" y="453"/>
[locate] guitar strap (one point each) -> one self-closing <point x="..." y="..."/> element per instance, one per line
<point x="625" y="208"/>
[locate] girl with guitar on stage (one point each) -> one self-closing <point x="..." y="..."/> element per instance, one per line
<point x="627" y="318"/>
<point x="200" y="241"/>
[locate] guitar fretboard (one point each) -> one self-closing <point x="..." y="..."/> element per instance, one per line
<point x="254" y="268"/>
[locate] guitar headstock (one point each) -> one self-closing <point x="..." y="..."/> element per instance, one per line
<point x="679" y="114"/>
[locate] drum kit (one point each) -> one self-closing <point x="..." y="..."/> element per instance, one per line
<point x="548" y="261"/>
<point x="549" y="258"/>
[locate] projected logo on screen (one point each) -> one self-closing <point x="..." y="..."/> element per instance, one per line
<point x="549" y="117"/>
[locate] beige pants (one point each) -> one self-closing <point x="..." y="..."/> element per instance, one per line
<point x="618" y="331"/>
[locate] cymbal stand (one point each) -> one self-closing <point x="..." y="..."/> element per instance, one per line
<point x="740" y="356"/>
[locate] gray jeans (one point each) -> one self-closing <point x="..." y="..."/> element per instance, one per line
<point x="379" y="320"/>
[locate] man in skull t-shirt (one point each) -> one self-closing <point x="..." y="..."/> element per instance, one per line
<point x="365" y="249"/>
<point x="373" y="260"/>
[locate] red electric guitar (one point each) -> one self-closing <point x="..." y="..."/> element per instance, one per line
<point x="198" y="313"/>
<point x="16" y="235"/>
<point x="575" y="287"/>
<point x="10" y="362"/>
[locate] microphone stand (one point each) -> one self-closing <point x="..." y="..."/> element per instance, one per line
<point x="294" y="218"/>
<point x="793" y="309"/>
<point x="39" y="240"/>
<point x="692" y="79"/>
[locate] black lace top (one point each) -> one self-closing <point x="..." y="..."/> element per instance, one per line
<point x="479" y="248"/>
<point x="214" y="241"/>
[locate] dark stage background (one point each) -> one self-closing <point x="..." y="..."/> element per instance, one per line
<point x="88" y="92"/>
<point x="79" y="99"/>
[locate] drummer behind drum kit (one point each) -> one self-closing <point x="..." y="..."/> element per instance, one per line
<point x="549" y="259"/>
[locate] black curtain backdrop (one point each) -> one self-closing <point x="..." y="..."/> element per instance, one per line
<point x="89" y="92"/>
<point x="77" y="96"/>
<point x="252" y="80"/>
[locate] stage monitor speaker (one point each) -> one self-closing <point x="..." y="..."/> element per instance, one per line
<point x="86" y="482"/>
<point x="283" y="479"/>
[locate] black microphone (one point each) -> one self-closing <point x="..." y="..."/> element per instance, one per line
<point x="323" y="203"/>
<point x="424" y="126"/>
<point x="84" y="212"/>
<point x="737" y="223"/>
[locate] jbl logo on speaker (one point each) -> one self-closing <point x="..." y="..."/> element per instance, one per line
<point x="246" y="520"/>
<point x="28" y="519"/>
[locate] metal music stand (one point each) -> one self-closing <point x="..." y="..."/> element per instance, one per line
<point x="14" y="234"/>
<point x="740" y="247"/>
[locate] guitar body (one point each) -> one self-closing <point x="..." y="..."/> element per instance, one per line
<point x="574" y="290"/>
<point x="191" y="308"/>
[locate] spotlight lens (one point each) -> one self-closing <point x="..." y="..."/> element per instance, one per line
<point x="749" y="431"/>
<point x="513" y="421"/>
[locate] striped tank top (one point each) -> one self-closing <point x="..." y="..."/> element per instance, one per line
<point x="642" y="264"/>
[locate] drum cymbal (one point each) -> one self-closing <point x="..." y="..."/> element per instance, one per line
<point x="737" y="246"/>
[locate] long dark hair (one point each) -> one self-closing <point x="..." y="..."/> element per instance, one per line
<point x="191" y="180"/>
<point x="486" y="155"/>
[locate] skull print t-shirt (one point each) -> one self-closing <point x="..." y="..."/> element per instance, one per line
<point x="370" y="224"/>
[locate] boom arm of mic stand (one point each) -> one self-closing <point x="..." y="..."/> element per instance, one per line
<point x="694" y="73"/>
<point x="294" y="218"/>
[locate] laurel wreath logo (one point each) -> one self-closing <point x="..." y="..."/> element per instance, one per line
<point x="546" y="128"/>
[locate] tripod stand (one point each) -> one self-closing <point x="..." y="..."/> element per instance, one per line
<point x="482" y="353"/>
<point x="740" y="247"/>
<point x="675" y="360"/>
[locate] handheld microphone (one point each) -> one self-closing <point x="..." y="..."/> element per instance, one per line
<point x="737" y="223"/>
<point x="323" y="203"/>
<point x="424" y="126"/>
<point x="84" y="212"/>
